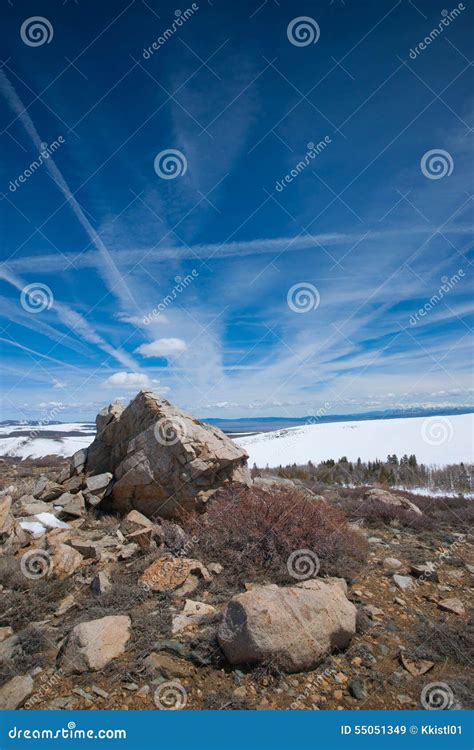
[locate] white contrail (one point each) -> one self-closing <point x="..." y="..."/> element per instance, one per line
<point x="108" y="269"/>
<point x="77" y="323"/>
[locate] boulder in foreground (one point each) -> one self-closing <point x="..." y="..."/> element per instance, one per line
<point x="162" y="460"/>
<point x="290" y="627"/>
<point x="91" y="645"/>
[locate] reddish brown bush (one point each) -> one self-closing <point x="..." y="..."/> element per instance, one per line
<point x="252" y="532"/>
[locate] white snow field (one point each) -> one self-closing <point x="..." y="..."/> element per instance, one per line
<point x="26" y="441"/>
<point x="434" y="440"/>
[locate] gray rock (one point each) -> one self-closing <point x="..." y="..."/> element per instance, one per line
<point x="15" y="692"/>
<point x="391" y="563"/>
<point x="358" y="690"/>
<point x="427" y="572"/>
<point x="93" y="644"/>
<point x="99" y="484"/>
<point x="72" y="505"/>
<point x="101" y="584"/>
<point x="405" y="583"/>
<point x="291" y="627"/>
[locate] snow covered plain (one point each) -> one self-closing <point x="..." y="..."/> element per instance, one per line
<point x="36" y="441"/>
<point x="434" y="440"/>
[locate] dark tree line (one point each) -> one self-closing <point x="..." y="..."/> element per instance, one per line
<point x="394" y="471"/>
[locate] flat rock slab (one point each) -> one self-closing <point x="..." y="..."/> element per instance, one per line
<point x="452" y="605"/>
<point x="93" y="644"/>
<point x="168" y="572"/>
<point x="15" y="692"/>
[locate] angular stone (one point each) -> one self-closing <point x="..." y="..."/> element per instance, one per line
<point x="87" y="548"/>
<point x="65" y="605"/>
<point x="452" y="604"/>
<point x="99" y="483"/>
<point x="72" y="505"/>
<point x="93" y="644"/>
<point x="193" y="613"/>
<point x="161" y="457"/>
<point x="405" y="583"/>
<point x="30" y="506"/>
<point x="290" y="627"/>
<point x="15" y="692"/>
<point x="168" y="665"/>
<point x="101" y="584"/>
<point x="46" y="490"/>
<point x="168" y="572"/>
<point x="73" y="484"/>
<point x="78" y="460"/>
<point x="142" y="537"/>
<point x="427" y="572"/>
<point x="65" y="561"/>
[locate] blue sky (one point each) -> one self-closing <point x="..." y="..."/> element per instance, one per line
<point x="281" y="290"/>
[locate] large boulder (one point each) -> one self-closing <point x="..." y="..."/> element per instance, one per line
<point x="162" y="459"/>
<point x="293" y="628"/>
<point x="91" y="645"/>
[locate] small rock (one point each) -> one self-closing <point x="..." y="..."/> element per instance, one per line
<point x="5" y="632"/>
<point x="452" y="605"/>
<point x="391" y="563"/>
<point x="426" y="572"/>
<point x="98" y="691"/>
<point x="132" y="686"/>
<point x="373" y="611"/>
<point x="169" y="666"/>
<point x="65" y="561"/>
<point x="405" y="583"/>
<point x="193" y="613"/>
<point x="168" y="572"/>
<point x="101" y="584"/>
<point x="72" y="505"/>
<point x="216" y="568"/>
<point x="99" y="484"/>
<point x="65" y="605"/>
<point x="358" y="690"/>
<point x="144" y="691"/>
<point x="142" y="537"/>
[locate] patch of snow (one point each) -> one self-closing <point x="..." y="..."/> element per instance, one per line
<point x="34" y="528"/>
<point x="50" y="521"/>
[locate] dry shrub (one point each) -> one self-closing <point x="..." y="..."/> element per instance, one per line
<point x="375" y="512"/>
<point x="441" y="640"/>
<point x="252" y="531"/>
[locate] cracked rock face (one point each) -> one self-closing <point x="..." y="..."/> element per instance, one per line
<point x="162" y="459"/>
